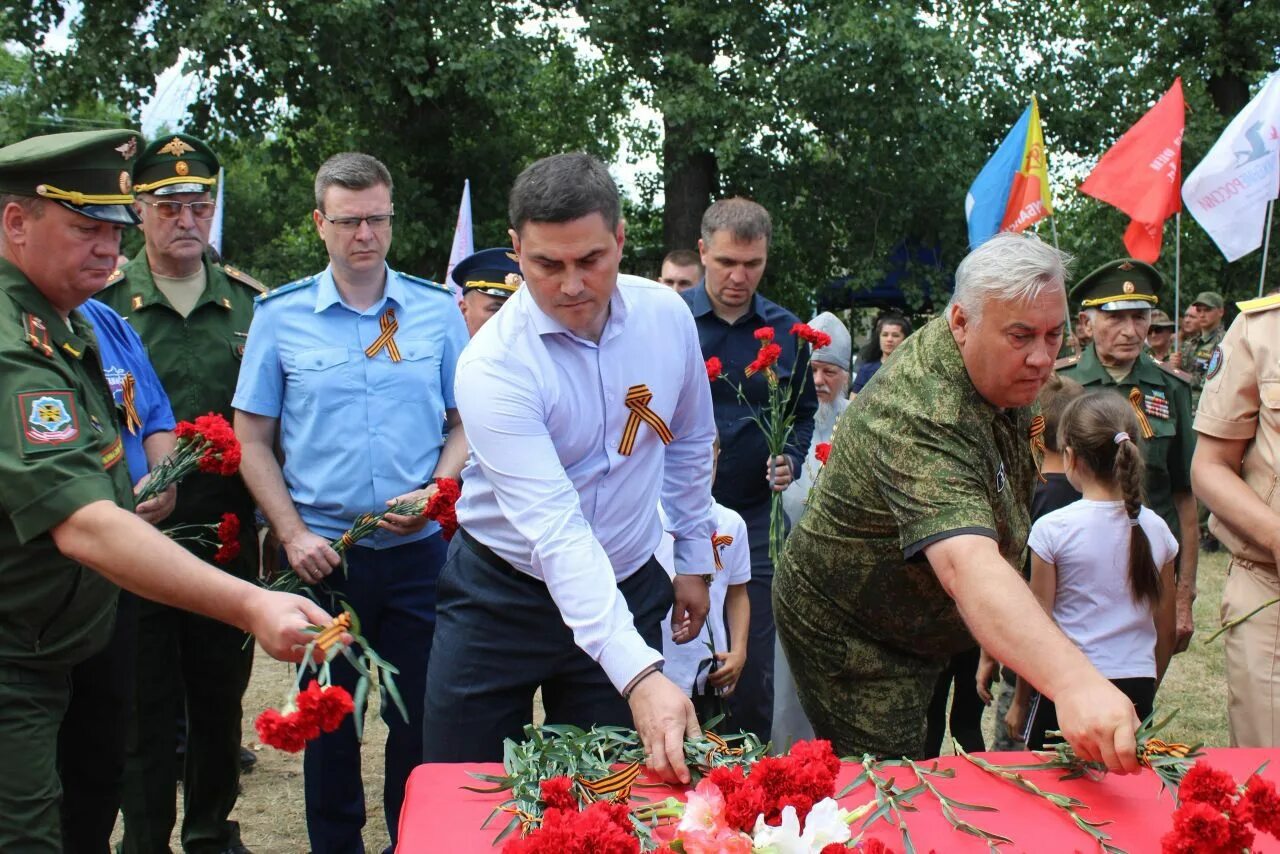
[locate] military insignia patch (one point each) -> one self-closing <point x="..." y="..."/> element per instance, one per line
<point x="1215" y="364"/>
<point x="176" y="147"/>
<point x="112" y="454"/>
<point x="129" y="149"/>
<point x="1130" y="287"/>
<point x="181" y="167"/>
<point x="126" y="182"/>
<point x="49" y="419"/>
<point x="1156" y="405"/>
<point x="37" y="335"/>
<point x="1001" y="478"/>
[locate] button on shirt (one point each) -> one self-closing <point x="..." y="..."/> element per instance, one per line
<point x="545" y="486"/>
<point x="356" y="431"/>
<point x="122" y="355"/>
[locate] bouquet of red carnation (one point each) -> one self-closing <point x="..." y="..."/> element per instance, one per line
<point x="1217" y="816"/>
<point x="778" y="415"/>
<point x="209" y="444"/>
<point x="604" y="827"/>
<point x="323" y="706"/>
<point x="438" y="508"/>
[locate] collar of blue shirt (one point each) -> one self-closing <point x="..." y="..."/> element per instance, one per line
<point x="700" y="304"/>
<point x="327" y="292"/>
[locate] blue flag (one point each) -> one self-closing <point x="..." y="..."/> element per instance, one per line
<point x="988" y="197"/>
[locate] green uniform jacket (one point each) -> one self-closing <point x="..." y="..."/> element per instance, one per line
<point x="1195" y="356"/>
<point x="1167" y="404"/>
<point x="918" y="457"/>
<point x="60" y="451"/>
<point x="198" y="361"/>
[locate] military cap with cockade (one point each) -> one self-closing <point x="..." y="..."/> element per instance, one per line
<point x="489" y="271"/>
<point x="1119" y="286"/>
<point x="176" y="163"/>
<point x="89" y="172"/>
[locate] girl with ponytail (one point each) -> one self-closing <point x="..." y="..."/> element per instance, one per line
<point x="1103" y="566"/>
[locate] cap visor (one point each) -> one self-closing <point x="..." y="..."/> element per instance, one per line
<point x="1124" y="305"/>
<point x="174" y="189"/>
<point x="118" y="214"/>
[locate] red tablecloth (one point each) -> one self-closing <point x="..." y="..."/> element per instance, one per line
<point x="440" y="817"/>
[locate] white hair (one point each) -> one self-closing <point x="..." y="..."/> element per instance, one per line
<point x="1008" y="267"/>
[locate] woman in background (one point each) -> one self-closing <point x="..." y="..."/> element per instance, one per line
<point x="891" y="330"/>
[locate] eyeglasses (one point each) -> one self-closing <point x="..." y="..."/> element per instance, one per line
<point x="377" y="222"/>
<point x="173" y="210"/>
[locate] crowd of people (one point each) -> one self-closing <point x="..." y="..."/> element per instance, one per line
<point x="979" y="498"/>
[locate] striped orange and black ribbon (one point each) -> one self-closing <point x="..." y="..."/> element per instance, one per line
<point x="638" y="398"/>
<point x="721" y="746"/>
<point x="129" y="399"/>
<point x="1037" y="445"/>
<point x="387" y="338"/>
<point x="1135" y="400"/>
<point x="718" y="540"/>
<point x="615" y="787"/>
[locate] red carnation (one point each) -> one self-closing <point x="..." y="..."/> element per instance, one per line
<point x="228" y="539"/>
<point x="1207" y="785"/>
<point x="602" y="828"/>
<point x="822" y="452"/>
<point x="288" y="732"/>
<point x="557" y="793"/>
<point x="870" y="846"/>
<point x="1263" y="805"/>
<point x="1197" y="827"/>
<point x="767" y="358"/>
<point x="714" y="368"/>
<point x="327" y="706"/>
<point x="816" y="338"/>
<point x="440" y="507"/>
<point x="764" y="333"/>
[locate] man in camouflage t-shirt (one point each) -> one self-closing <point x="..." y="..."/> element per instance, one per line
<point x="920" y="516"/>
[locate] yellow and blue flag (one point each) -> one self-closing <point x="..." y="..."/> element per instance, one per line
<point x="1012" y="190"/>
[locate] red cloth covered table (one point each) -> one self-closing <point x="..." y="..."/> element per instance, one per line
<point x="440" y="817"/>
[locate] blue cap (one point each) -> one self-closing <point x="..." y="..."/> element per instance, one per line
<point x="489" y="271"/>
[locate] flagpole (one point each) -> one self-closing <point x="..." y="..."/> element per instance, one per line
<point x="1177" y="281"/>
<point x="1266" y="244"/>
<point x="1053" y="225"/>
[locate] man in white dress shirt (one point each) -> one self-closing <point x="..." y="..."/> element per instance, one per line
<point x="586" y="401"/>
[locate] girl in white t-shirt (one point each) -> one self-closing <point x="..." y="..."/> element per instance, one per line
<point x="1103" y="566"/>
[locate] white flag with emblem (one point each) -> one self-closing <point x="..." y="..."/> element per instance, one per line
<point x="463" y="244"/>
<point x="1228" y="191"/>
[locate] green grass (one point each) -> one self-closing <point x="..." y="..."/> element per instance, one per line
<point x="1196" y="684"/>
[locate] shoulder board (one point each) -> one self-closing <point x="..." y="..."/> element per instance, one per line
<point x="1172" y="371"/>
<point x="1065" y="362"/>
<point x="117" y="275"/>
<point x="427" y="283"/>
<point x="1260" y="304"/>
<point x="243" y="278"/>
<point x="287" y="289"/>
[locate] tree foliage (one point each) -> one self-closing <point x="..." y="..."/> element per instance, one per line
<point x="858" y="124"/>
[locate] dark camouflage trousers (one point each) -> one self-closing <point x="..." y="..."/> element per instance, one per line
<point x="862" y="696"/>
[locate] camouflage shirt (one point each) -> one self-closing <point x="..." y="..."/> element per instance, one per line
<point x="1195" y="356"/>
<point x="918" y="457"/>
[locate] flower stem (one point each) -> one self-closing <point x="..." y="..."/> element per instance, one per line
<point x="1238" y="620"/>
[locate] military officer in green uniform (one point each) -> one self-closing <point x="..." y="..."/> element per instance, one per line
<point x="67" y="533"/>
<point x="1119" y="297"/>
<point x="1196" y="352"/>
<point x="193" y="315"/>
<point x="919" y="520"/>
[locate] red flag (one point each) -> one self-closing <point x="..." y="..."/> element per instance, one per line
<point x="1142" y="174"/>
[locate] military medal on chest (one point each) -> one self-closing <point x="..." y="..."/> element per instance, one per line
<point x="1156" y="404"/>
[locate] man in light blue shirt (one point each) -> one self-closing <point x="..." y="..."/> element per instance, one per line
<point x="586" y="399"/>
<point x="352" y="370"/>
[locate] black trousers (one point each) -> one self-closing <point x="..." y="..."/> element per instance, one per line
<point x="499" y="637"/>
<point x="752" y="699"/>
<point x="966" y="706"/>
<point x="1043" y="717"/>
<point x="93" y="738"/>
